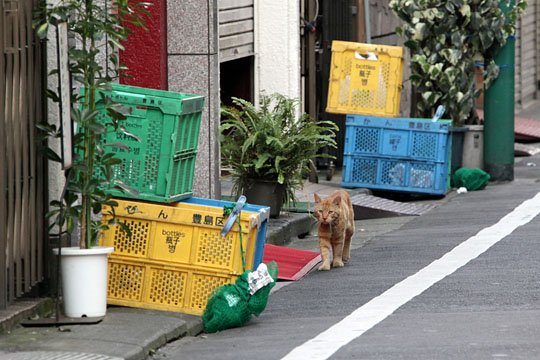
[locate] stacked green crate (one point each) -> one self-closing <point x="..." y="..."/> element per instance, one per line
<point x="159" y="160"/>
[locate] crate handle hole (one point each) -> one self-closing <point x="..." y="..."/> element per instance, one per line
<point x="365" y="56"/>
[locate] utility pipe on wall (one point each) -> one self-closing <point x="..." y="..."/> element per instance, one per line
<point x="368" y="21"/>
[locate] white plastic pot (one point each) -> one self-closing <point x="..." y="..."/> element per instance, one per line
<point x="84" y="280"/>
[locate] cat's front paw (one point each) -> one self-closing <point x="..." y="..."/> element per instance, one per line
<point x="338" y="264"/>
<point x="325" y="266"/>
<point x="345" y="260"/>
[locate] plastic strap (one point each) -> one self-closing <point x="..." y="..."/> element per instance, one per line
<point x="234" y="214"/>
<point x="439" y="113"/>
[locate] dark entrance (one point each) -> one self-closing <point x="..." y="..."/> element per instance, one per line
<point x="236" y="79"/>
<point x="325" y="21"/>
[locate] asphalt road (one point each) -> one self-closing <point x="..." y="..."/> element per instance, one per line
<point x="489" y="308"/>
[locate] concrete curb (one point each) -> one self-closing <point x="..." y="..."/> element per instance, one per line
<point x="24" y="309"/>
<point x="282" y="230"/>
<point x="127" y="333"/>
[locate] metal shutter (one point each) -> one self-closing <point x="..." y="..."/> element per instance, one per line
<point x="236" y="39"/>
<point x="527" y="58"/>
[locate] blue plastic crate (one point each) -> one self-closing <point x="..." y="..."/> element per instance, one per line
<point x="264" y="214"/>
<point x="400" y="154"/>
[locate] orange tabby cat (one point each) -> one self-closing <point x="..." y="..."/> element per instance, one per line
<point x="335" y="218"/>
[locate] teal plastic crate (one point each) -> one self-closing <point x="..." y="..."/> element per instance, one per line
<point x="160" y="167"/>
<point x="398" y="154"/>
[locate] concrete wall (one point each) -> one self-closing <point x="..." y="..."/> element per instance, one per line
<point x="56" y="179"/>
<point x="277" y="47"/>
<point x="193" y="67"/>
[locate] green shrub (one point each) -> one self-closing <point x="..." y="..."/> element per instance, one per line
<point x="445" y="39"/>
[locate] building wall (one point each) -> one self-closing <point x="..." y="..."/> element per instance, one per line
<point x="527" y="57"/>
<point x="277" y="47"/>
<point x="236" y="28"/>
<point x="193" y="67"/>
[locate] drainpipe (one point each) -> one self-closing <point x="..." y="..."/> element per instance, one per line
<point x="499" y="114"/>
<point x="367" y="19"/>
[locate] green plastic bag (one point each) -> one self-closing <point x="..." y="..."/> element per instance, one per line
<point x="232" y="305"/>
<point x="471" y="178"/>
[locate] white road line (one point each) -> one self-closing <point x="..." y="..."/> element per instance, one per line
<point x="365" y="317"/>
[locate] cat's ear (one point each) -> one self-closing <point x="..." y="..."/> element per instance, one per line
<point x="337" y="199"/>
<point x="317" y="198"/>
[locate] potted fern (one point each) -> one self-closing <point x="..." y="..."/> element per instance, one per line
<point x="88" y="23"/>
<point x="269" y="148"/>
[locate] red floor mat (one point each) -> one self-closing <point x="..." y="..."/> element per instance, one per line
<point x="292" y="263"/>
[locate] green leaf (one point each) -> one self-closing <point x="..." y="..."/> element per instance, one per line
<point x="431" y="98"/>
<point x="116" y="112"/>
<point x="465" y="10"/>
<point x="115" y="44"/>
<point x="96" y="127"/>
<point x="52" y="155"/>
<point x="53" y="96"/>
<point x="128" y="134"/>
<point x="261" y="161"/>
<point x="117" y="145"/>
<point x="456" y="31"/>
<point x="112" y="161"/>
<point x="271" y="141"/>
<point x="420" y="30"/>
<point x="124" y="228"/>
<point x="42" y="31"/>
<point x="435" y="70"/>
<point x="48" y="128"/>
<point x="453" y="56"/>
<point x="125" y="188"/>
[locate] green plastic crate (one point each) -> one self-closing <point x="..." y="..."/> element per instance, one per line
<point x="161" y="166"/>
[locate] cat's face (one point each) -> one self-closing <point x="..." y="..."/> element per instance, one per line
<point x="326" y="211"/>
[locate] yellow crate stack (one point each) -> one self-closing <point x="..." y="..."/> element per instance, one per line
<point x="365" y="79"/>
<point x="152" y="285"/>
<point x="175" y="255"/>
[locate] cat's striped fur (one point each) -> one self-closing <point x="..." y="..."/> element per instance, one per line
<point x="335" y="218"/>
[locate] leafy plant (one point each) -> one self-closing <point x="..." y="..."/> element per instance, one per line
<point x="445" y="39"/>
<point x="89" y="24"/>
<point x="271" y="142"/>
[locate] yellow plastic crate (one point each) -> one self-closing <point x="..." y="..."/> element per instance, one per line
<point x="152" y="285"/>
<point x="185" y="234"/>
<point x="365" y="79"/>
